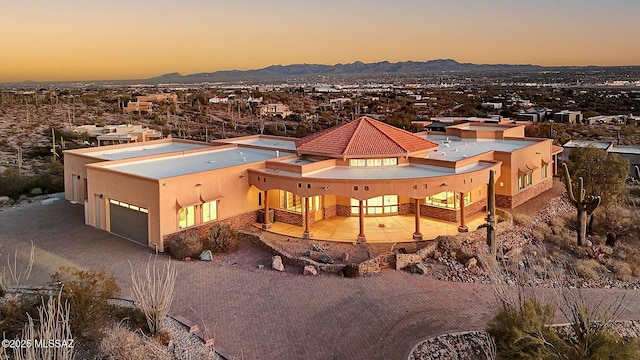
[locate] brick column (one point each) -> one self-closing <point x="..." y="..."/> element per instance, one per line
<point x="361" y="237"/>
<point x="307" y="233"/>
<point x="417" y="235"/>
<point x="462" y="227"/>
<point x="266" y="224"/>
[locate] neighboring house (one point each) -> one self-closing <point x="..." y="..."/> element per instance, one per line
<point x="156" y="98"/>
<point x="568" y="116"/>
<point x="532" y="115"/>
<point x="275" y="109"/>
<point x="631" y="153"/>
<point x="138" y="106"/>
<point x="492" y="105"/>
<point x="219" y="100"/>
<point x="152" y="192"/>
<point x="118" y="134"/>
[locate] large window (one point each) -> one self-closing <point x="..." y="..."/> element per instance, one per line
<point x="525" y="180"/>
<point x="210" y="211"/>
<point x="545" y="171"/>
<point x="447" y="199"/>
<point x="373" y="162"/>
<point x="290" y="201"/>
<point x="187" y="216"/>
<point x="387" y="204"/>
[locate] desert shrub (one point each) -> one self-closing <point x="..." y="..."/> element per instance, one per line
<point x="15" y="310"/>
<point x="124" y="344"/>
<point x="523" y="220"/>
<point x="561" y="234"/>
<point x="222" y="238"/>
<point x="450" y="243"/>
<point x="187" y="245"/>
<point x="87" y="292"/>
<point x="622" y="270"/>
<point x="524" y="333"/>
<point x="153" y="291"/>
<point x="131" y="316"/>
<point x="589" y="268"/>
<point x="590" y="335"/>
<point x="614" y="218"/>
<point x="540" y="232"/>
<point x="12" y="184"/>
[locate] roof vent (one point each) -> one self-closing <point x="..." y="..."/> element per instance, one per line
<point x="444" y="153"/>
<point x="456" y="149"/>
<point x="244" y="158"/>
<point x="212" y="161"/>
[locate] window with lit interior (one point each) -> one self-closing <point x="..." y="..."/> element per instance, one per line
<point x="387" y="204"/>
<point x="187" y="216"/>
<point x="447" y="199"/>
<point x="210" y="211"/>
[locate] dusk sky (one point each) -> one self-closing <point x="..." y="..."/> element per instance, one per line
<point x="45" y="40"/>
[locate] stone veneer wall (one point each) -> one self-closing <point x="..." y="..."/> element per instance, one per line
<point x="440" y="213"/>
<point x="406" y="208"/>
<point x="290" y="217"/>
<point x="475" y="208"/>
<point x="330" y="212"/>
<point x="343" y="210"/>
<point x="511" y="202"/>
<point x="237" y="222"/>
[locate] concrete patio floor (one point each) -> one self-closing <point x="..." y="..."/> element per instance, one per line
<point x="377" y="229"/>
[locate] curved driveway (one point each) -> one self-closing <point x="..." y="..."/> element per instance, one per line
<point x="264" y="314"/>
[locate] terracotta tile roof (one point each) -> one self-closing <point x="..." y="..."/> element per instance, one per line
<point x="363" y="136"/>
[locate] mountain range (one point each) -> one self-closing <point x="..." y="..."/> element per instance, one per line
<point x="355" y="68"/>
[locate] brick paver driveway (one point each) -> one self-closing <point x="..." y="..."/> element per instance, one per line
<point x="263" y="314"/>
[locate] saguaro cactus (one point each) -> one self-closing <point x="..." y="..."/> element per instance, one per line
<point x="585" y="205"/>
<point x="491" y="213"/>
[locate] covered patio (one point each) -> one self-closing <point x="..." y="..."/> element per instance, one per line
<point x="378" y="229"/>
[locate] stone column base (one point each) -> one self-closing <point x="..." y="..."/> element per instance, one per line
<point x="266" y="226"/>
<point x="307" y="235"/>
<point x="417" y="236"/>
<point x="362" y="239"/>
<point x="463" y="229"/>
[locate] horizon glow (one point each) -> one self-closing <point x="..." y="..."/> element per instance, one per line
<point x="74" y="40"/>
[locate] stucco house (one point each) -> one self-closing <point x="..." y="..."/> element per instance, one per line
<point x="149" y="192"/>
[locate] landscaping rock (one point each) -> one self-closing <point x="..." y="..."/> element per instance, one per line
<point x="418" y="268"/>
<point x="344" y="256"/>
<point x="260" y="266"/>
<point x="4" y="199"/>
<point x="307" y="253"/>
<point x="206" y="255"/>
<point x="276" y="263"/>
<point x="437" y="255"/>
<point x="325" y="259"/>
<point x="472" y="263"/>
<point x="310" y="270"/>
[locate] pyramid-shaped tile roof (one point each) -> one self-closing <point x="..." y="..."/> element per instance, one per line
<point x="363" y="137"/>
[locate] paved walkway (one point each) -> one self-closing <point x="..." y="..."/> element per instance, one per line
<point x="263" y="314"/>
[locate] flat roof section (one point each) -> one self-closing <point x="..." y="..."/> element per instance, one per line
<point x="144" y="149"/>
<point x="276" y="144"/>
<point x="407" y="171"/>
<point x="453" y="148"/>
<point x="177" y="165"/>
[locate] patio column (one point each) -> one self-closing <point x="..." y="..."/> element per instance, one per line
<point x="306" y="234"/>
<point x="462" y="227"/>
<point x="361" y="237"/>
<point x="417" y="235"/>
<point x="267" y="223"/>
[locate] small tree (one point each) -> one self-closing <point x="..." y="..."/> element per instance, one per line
<point x="153" y="291"/>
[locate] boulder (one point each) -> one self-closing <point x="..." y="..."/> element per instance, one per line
<point x="4" y="199"/>
<point x="276" y="263"/>
<point x="206" y="255"/>
<point x="325" y="259"/>
<point x="344" y="256"/>
<point x="307" y="253"/>
<point x="472" y="263"/>
<point x="418" y="268"/>
<point x="310" y="270"/>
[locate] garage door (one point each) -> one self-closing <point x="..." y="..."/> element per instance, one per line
<point x="129" y="221"/>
